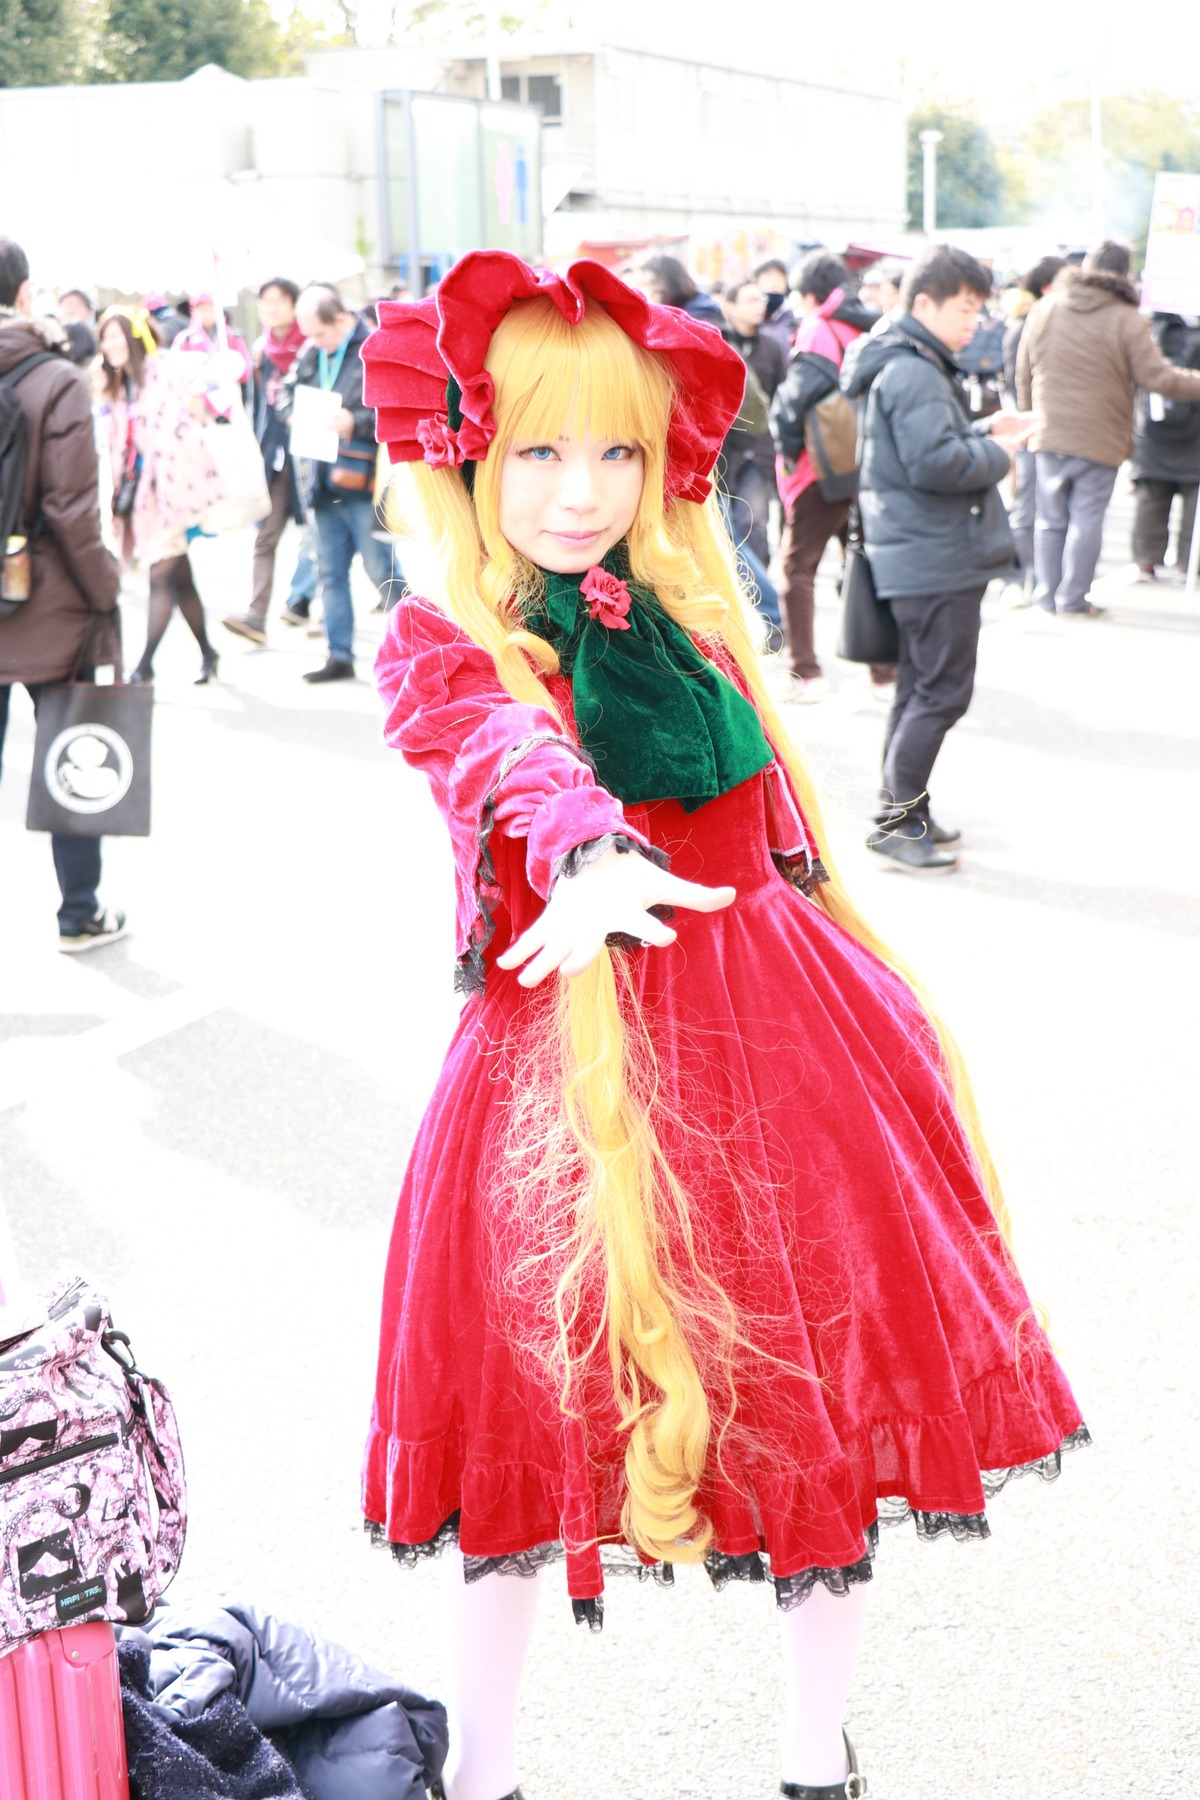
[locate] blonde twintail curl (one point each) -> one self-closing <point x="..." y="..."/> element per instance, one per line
<point x="625" y="1207"/>
<point x="665" y="1319"/>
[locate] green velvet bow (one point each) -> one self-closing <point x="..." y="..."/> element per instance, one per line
<point x="659" y="720"/>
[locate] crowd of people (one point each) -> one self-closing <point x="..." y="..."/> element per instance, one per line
<point x="967" y="466"/>
<point x="990" y="424"/>
<point x="191" y="428"/>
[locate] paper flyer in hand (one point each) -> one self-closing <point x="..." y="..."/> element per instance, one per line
<point x="314" y="423"/>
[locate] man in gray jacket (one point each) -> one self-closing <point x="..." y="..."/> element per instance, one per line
<point x="934" y="528"/>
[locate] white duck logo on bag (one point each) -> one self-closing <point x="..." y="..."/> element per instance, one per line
<point x="88" y="768"/>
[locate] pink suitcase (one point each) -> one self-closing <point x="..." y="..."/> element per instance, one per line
<point x="61" y="1736"/>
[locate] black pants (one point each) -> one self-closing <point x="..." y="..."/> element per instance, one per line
<point x="76" y="859"/>
<point x="939" y="641"/>
<point x="1152" y="521"/>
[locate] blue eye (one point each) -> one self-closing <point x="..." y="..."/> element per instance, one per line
<point x="539" y="452"/>
<point x="619" y="453"/>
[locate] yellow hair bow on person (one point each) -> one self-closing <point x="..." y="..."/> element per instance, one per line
<point x="139" y="323"/>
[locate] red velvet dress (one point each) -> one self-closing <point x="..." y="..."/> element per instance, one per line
<point x="832" y="1193"/>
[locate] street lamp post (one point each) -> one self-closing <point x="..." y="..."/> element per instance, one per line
<point x="929" y="143"/>
<point x="1097" y="136"/>
<point x="491" y="14"/>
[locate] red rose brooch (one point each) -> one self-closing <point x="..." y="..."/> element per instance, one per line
<point x="607" y="599"/>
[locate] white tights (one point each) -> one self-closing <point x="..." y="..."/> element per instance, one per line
<point x="488" y="1627"/>
<point x="820" y="1647"/>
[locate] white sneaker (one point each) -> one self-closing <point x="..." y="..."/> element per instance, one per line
<point x="883" y="692"/>
<point x="807" y="690"/>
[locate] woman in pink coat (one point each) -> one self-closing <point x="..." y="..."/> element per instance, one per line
<point x="164" y="480"/>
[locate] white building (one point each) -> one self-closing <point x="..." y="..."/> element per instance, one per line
<point x="313" y="177"/>
<point x="641" y="145"/>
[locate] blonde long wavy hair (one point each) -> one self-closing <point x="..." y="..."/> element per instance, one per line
<point x="623" y="1218"/>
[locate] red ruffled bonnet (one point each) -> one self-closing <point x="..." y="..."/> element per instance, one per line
<point x="420" y="348"/>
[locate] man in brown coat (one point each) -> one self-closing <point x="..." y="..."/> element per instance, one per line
<point x="70" y="615"/>
<point x="1085" y="352"/>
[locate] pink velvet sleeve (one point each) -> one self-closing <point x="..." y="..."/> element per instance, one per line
<point x="493" y="762"/>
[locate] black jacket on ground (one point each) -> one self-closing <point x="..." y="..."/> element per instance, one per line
<point x="349" y="384"/>
<point x="933" y="521"/>
<point x="809" y="378"/>
<point x="204" y="1691"/>
<point x="1168" y="449"/>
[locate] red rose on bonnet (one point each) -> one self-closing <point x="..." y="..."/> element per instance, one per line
<point x="440" y="444"/>
<point x="607" y="598"/>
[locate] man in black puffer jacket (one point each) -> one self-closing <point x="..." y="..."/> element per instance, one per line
<point x="1166" y="455"/>
<point x="934" y="528"/>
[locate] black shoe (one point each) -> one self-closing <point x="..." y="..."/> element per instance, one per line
<point x="333" y="670"/>
<point x="853" y="1788"/>
<point x="944" y="834"/>
<point x="915" y="852"/>
<point x="296" y="614"/>
<point x="438" y="1792"/>
<point x="208" y="669"/>
<point x="105" y="928"/>
<point x="141" y="677"/>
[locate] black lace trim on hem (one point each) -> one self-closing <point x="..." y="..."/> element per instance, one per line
<point x="753" y="1566"/>
<point x="619" y="1560"/>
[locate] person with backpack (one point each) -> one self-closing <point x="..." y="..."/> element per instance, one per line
<point x="59" y="587"/>
<point x="1166" y="456"/>
<point x="833" y="319"/>
<point x="935" y="530"/>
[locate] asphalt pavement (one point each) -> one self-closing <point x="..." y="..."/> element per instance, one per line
<point x="213" y="1117"/>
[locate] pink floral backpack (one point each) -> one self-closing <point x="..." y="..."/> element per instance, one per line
<point x="92" y="1496"/>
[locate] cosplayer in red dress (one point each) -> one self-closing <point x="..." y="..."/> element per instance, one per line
<point x="820" y="1225"/>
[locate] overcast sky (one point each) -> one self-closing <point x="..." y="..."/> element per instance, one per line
<point x="1000" y="56"/>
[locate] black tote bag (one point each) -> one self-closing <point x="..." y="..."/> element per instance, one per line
<point x="868" y="633"/>
<point x="91" y="760"/>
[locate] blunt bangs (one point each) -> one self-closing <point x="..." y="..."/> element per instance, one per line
<point x="553" y="378"/>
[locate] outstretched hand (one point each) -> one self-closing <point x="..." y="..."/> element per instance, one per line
<point x="612" y="894"/>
